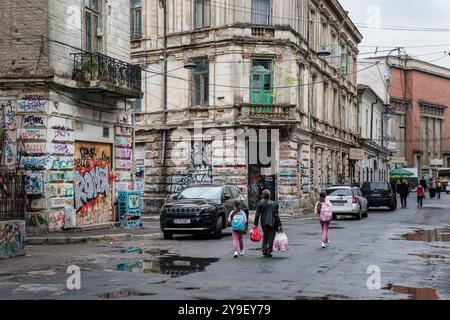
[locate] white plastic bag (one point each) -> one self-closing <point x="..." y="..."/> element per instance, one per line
<point x="281" y="242"/>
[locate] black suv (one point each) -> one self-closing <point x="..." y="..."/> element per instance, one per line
<point x="201" y="209"/>
<point x="380" y="194"/>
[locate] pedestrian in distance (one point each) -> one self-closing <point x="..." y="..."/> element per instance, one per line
<point x="325" y="213"/>
<point x="432" y="188"/>
<point x="439" y="189"/>
<point x="403" y="190"/>
<point x="420" y="195"/>
<point x="424" y="184"/>
<point x="267" y="215"/>
<point x="238" y="220"/>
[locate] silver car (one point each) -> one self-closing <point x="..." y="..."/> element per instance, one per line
<point x="346" y="200"/>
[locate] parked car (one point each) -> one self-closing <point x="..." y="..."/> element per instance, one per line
<point x="380" y="194"/>
<point x="201" y="209"/>
<point x="447" y="188"/>
<point x="347" y="200"/>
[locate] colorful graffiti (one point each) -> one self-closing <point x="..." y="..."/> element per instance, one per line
<point x="33" y="148"/>
<point x="32" y="103"/>
<point x="60" y="190"/>
<point x="34" y="163"/>
<point x="10" y="150"/>
<point x="56" y="220"/>
<point x="12" y="239"/>
<point x="32" y="134"/>
<point x="8" y="113"/>
<point x="93" y="183"/>
<point x="62" y="163"/>
<point x="61" y="148"/>
<point x="34" y="121"/>
<point x="34" y="183"/>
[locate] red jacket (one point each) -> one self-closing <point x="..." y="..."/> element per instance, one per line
<point x="420" y="192"/>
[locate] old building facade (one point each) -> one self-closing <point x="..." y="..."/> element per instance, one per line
<point x="260" y="108"/>
<point x="374" y="120"/>
<point x="418" y="93"/>
<point x="66" y="84"/>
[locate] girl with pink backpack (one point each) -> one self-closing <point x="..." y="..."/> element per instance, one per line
<point x="325" y="213"/>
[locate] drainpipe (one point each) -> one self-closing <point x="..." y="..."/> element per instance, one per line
<point x="164" y="119"/>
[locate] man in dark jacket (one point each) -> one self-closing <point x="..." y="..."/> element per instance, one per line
<point x="267" y="212"/>
<point x="403" y="190"/>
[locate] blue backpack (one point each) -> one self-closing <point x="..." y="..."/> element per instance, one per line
<point x="238" y="222"/>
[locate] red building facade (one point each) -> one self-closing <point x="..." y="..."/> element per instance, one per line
<point x="420" y="95"/>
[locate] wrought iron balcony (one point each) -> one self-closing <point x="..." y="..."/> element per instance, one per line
<point x="282" y="114"/>
<point x="96" y="70"/>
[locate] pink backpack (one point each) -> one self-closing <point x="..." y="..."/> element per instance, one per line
<point x="326" y="213"/>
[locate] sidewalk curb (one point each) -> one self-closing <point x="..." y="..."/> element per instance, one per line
<point x="82" y="239"/>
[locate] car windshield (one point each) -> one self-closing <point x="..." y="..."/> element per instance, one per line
<point x="381" y="186"/>
<point x="210" y="193"/>
<point x="339" y="192"/>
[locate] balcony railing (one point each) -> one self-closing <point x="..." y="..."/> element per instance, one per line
<point x="263" y="32"/>
<point x="268" y="112"/>
<point x="99" y="67"/>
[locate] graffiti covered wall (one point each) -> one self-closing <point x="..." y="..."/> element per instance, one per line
<point x="12" y="239"/>
<point x="93" y="183"/>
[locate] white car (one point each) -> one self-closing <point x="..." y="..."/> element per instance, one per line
<point x="447" y="188"/>
<point x="346" y="200"/>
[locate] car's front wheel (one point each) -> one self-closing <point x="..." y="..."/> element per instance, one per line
<point x="218" y="229"/>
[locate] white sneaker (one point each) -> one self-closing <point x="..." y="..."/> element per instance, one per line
<point x="323" y="245"/>
<point x="328" y="243"/>
<point x="235" y="254"/>
<point x="242" y="253"/>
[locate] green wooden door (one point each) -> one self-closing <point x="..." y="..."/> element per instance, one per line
<point x="261" y="88"/>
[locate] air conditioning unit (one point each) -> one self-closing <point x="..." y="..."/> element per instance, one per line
<point x="99" y="32"/>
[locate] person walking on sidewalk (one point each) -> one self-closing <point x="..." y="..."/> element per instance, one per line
<point x="238" y="220"/>
<point x="403" y="190"/>
<point x="420" y="195"/>
<point x="325" y="213"/>
<point x="423" y="183"/>
<point x="267" y="214"/>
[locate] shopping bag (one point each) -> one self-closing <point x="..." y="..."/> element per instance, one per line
<point x="281" y="242"/>
<point x="255" y="236"/>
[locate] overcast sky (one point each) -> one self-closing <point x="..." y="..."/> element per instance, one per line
<point x="407" y="13"/>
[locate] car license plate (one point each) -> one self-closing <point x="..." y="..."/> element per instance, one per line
<point x="182" y="263"/>
<point x="376" y="195"/>
<point x="182" y="221"/>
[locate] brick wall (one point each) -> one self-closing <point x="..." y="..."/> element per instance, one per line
<point x="420" y="86"/>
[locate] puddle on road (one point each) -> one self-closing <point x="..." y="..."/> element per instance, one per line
<point x="125" y="294"/>
<point x="327" y="297"/>
<point x="436" y="235"/>
<point x="174" y="266"/>
<point x="414" y="293"/>
<point x="428" y="256"/>
<point x="138" y="250"/>
<point x="132" y="250"/>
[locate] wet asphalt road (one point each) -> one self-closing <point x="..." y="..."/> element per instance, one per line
<point x="409" y="269"/>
